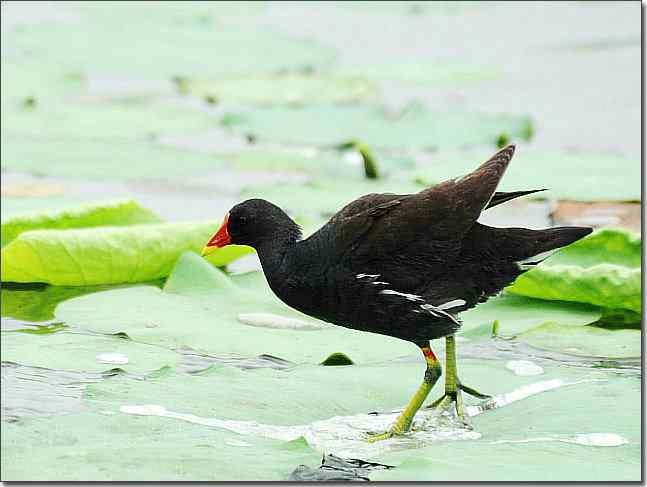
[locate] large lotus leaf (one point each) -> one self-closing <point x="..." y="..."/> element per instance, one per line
<point x="517" y="314"/>
<point x="414" y="128"/>
<point x="285" y="89"/>
<point x="102" y="121"/>
<point x="64" y="350"/>
<point x="188" y="49"/>
<point x="585" y="340"/>
<point x="602" y="269"/>
<point x="548" y="444"/>
<point x="103" y="159"/>
<point x="430" y="73"/>
<point x="584" y="177"/>
<point x="105" y="213"/>
<point x="107" y="255"/>
<point x="83" y="447"/>
<point x="201" y="307"/>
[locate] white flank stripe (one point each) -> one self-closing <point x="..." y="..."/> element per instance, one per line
<point x="452" y="304"/>
<point x="410" y="297"/>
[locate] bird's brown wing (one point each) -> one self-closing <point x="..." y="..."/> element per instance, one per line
<point x="430" y="223"/>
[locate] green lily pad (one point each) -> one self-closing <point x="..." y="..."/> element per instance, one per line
<point x="602" y="269"/>
<point x="102" y="121"/>
<point x="107" y="213"/>
<point x="330" y="163"/>
<point x="82" y="446"/>
<point x="200" y="306"/>
<point x="185" y="49"/>
<point x="285" y="89"/>
<point x="64" y="350"/>
<point x="585" y="340"/>
<point x="431" y="73"/>
<point x="517" y="314"/>
<point x="107" y="255"/>
<point x="414" y="128"/>
<point x="90" y="159"/>
<point x="541" y="447"/>
<point x="38" y="303"/>
<point x="583" y="177"/>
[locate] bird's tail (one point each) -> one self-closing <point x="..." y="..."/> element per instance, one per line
<point x="525" y="245"/>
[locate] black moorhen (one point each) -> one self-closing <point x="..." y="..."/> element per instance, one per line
<point x="399" y="265"/>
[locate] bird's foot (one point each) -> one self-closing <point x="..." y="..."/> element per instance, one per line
<point x="373" y="437"/>
<point x="454" y="400"/>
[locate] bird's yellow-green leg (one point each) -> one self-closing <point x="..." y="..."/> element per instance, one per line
<point x="453" y="386"/>
<point x="403" y="422"/>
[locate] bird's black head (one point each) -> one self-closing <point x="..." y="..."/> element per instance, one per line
<point x="254" y="222"/>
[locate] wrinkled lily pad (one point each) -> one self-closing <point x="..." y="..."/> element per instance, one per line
<point x="585" y="177"/>
<point x="413" y="128"/>
<point x="117" y="213"/>
<point x="73" y="351"/>
<point x="285" y="89"/>
<point x="602" y="269"/>
<point x="107" y="255"/>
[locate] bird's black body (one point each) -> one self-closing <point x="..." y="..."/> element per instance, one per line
<point x="399" y="265"/>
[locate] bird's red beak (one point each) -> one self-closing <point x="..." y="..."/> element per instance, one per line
<point x="218" y="239"/>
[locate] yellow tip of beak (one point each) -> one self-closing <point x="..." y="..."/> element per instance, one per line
<point x="208" y="250"/>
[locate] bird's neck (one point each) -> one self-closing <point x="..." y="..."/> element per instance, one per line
<point x="273" y="251"/>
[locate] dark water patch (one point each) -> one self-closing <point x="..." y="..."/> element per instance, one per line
<point x="334" y="468"/>
<point x="194" y="361"/>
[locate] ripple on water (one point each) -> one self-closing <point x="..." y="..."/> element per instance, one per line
<point x="346" y="435"/>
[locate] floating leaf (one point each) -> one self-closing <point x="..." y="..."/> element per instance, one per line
<point x="602" y="269"/>
<point x="414" y="127"/>
<point x="105" y="213"/>
<point x="429" y="73"/>
<point x="284" y="89"/>
<point x="100" y="160"/>
<point x="89" y="353"/>
<point x="107" y="255"/>
<point x="184" y="49"/>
